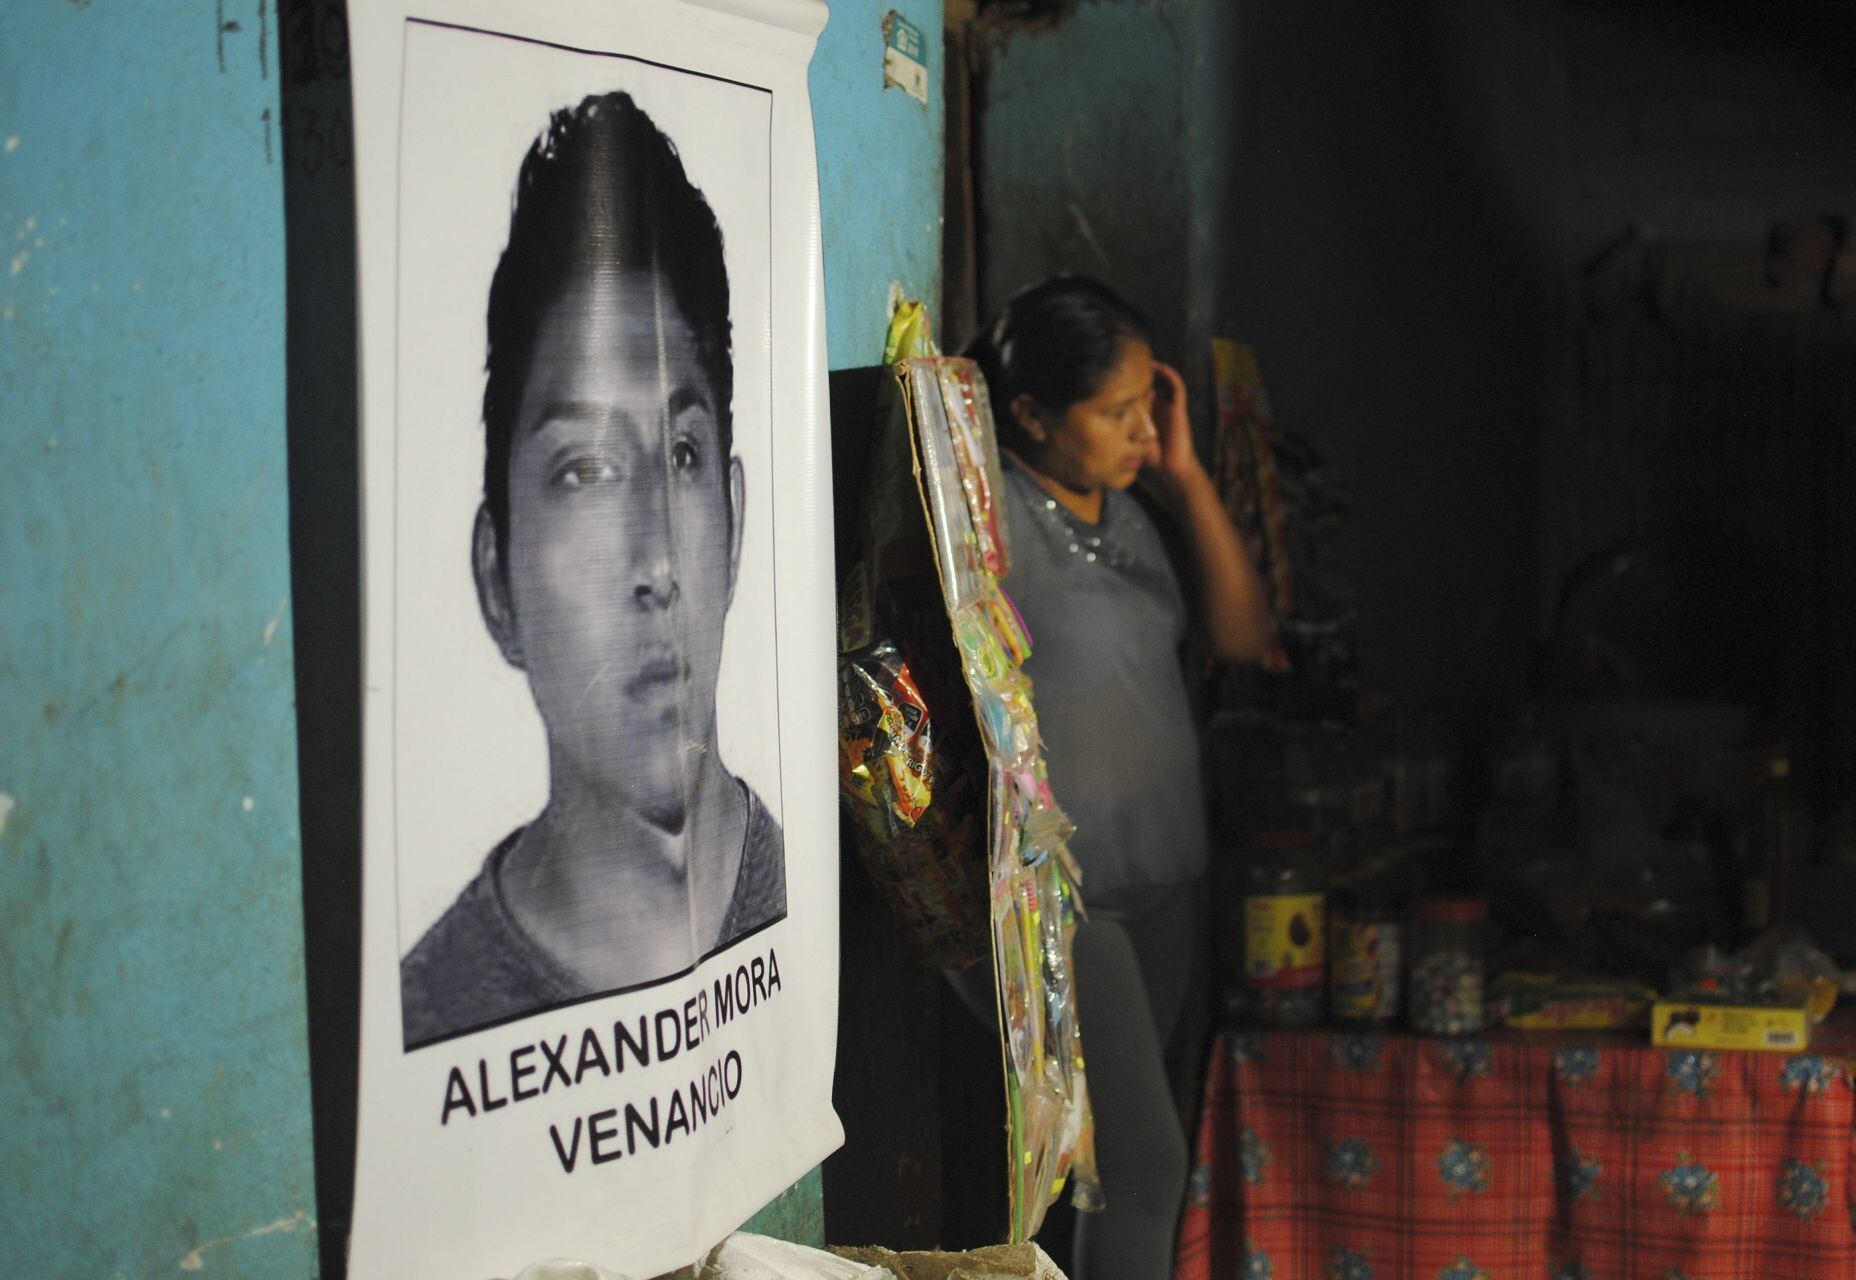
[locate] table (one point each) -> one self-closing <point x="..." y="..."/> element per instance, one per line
<point x="1333" y="1156"/>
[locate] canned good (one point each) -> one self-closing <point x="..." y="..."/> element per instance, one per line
<point x="1365" y="951"/>
<point x="1285" y="933"/>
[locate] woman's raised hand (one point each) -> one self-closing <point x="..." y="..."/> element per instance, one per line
<point x="1171" y="459"/>
<point x="1233" y="612"/>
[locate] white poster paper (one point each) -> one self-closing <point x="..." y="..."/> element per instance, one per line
<point x="599" y="937"/>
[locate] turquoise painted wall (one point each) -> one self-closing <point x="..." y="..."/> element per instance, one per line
<point x="153" y="1055"/>
<point x="1104" y="148"/>
<point x="1080" y="167"/>
<point x="153" y="1063"/>
<point x="879" y="174"/>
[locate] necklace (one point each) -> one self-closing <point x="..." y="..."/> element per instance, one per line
<point x="1093" y="544"/>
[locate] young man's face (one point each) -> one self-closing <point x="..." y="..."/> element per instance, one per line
<point x="622" y="543"/>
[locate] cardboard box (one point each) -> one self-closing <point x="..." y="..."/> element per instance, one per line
<point x="1697" y="1024"/>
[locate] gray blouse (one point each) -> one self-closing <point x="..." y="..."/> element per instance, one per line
<point x="1106" y="619"/>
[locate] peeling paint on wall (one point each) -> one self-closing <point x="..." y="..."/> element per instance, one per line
<point x="195" y="1260"/>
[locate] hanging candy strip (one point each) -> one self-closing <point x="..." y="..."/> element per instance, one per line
<point x="1033" y="878"/>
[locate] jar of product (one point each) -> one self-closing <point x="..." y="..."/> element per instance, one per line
<point x="1447" y="965"/>
<point x="1285" y="928"/>
<point x="1365" y="951"/>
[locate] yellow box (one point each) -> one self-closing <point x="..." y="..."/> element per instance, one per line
<point x="1690" y="1024"/>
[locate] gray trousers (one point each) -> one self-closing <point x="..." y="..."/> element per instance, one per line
<point x="1138" y="956"/>
<point x="1139" y="962"/>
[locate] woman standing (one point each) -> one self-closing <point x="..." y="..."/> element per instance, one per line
<point x="1084" y="411"/>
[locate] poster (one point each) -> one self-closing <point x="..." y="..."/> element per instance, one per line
<point x="599" y="934"/>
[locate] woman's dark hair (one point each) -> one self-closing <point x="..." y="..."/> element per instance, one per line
<point x="1055" y="342"/>
<point x="601" y="190"/>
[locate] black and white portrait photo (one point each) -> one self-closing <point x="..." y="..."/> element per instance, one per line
<point x="599" y="898"/>
<point x="586" y="723"/>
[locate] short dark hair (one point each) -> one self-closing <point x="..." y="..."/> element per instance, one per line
<point x="601" y="190"/>
<point x="1055" y="341"/>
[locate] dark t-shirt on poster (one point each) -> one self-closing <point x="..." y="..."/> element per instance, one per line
<point x="477" y="966"/>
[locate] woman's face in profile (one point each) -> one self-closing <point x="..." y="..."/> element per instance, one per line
<point x="1103" y="441"/>
<point x="621" y="543"/>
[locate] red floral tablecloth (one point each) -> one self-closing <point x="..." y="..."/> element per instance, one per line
<point x="1329" y="1156"/>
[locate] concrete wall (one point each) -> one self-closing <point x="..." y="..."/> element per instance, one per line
<point x="153" y="1066"/>
<point x="879" y="176"/>
<point x="154" y="1061"/>
<point x="1080" y="166"/>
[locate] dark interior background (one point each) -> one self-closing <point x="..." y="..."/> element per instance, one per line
<point x="1519" y="268"/>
